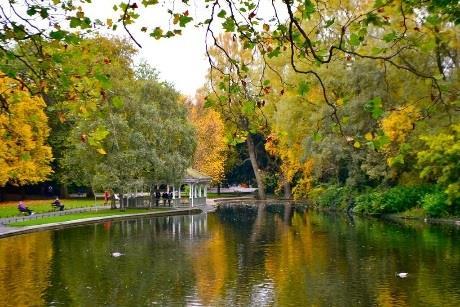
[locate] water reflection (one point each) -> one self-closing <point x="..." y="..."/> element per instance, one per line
<point x="266" y="255"/>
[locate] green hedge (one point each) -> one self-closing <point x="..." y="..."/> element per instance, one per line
<point x="391" y="200"/>
<point x="332" y="196"/>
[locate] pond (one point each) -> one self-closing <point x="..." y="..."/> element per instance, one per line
<point x="274" y="256"/>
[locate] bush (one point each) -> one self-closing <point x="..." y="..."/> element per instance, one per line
<point x="435" y="204"/>
<point x="392" y="200"/>
<point x="333" y="196"/>
<point x="368" y="203"/>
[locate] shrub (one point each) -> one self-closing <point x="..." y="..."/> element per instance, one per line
<point x="392" y="200"/>
<point x="368" y="202"/>
<point x="333" y="196"/>
<point x="435" y="204"/>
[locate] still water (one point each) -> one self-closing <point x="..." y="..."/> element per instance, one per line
<point x="275" y="256"/>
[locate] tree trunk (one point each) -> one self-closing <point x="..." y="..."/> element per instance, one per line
<point x="218" y="189"/>
<point x="64" y="191"/>
<point x="255" y="167"/>
<point x="287" y="190"/>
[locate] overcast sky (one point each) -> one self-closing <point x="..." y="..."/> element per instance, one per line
<point x="180" y="60"/>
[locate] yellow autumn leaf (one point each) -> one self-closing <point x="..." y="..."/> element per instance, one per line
<point x="368" y="136"/>
<point x="357" y="144"/>
<point x="101" y="151"/>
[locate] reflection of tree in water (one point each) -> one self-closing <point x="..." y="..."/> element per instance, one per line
<point x="277" y="256"/>
<point x="24" y="269"/>
<point x="155" y="267"/>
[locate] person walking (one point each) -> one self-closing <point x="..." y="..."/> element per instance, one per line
<point x="106" y="197"/>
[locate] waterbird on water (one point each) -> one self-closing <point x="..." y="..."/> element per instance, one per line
<point x="402" y="275"/>
<point x="116" y="254"/>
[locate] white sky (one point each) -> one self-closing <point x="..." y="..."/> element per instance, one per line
<point x="181" y="60"/>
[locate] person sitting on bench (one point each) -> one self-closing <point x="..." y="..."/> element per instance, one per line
<point x="22" y="208"/>
<point x="57" y="203"/>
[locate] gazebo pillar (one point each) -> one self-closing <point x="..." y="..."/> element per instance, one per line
<point x="199" y="190"/>
<point x="205" y="190"/>
<point x="191" y="193"/>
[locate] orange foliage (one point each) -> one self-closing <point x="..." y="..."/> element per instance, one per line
<point x="210" y="154"/>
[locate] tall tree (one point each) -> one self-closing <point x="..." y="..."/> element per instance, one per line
<point x="211" y="152"/>
<point x="239" y="105"/>
<point x="139" y="137"/>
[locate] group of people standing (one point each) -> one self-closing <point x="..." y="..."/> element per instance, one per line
<point x="167" y="197"/>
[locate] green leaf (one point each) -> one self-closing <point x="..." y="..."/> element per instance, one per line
<point x="317" y="137"/>
<point x="309" y="9"/>
<point x="303" y="88"/>
<point x="117" y="102"/>
<point x="58" y="35"/>
<point x="229" y="25"/>
<point x="75" y="22"/>
<point x="44" y="13"/>
<point x="157" y="33"/>
<point x="389" y="37"/>
<point x="433" y="19"/>
<point x="375" y="107"/>
<point x="208" y="102"/>
<point x="274" y="53"/>
<point x="329" y="23"/>
<point x="97" y="136"/>
<point x="354" y="40"/>
<point x="248" y="107"/>
<point x="32" y="11"/>
<point x="184" y="20"/>
<point x="222" y="13"/>
<point x="104" y="80"/>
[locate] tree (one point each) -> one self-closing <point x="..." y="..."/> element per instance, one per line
<point x="24" y="153"/>
<point x="239" y="105"/>
<point x="211" y="152"/>
<point x="440" y="161"/>
<point x="139" y="137"/>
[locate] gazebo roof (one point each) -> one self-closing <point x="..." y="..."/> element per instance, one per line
<point x="194" y="176"/>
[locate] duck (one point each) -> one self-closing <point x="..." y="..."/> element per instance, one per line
<point x="116" y="254"/>
<point x="402" y="275"/>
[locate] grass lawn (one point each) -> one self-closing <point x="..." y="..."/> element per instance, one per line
<point x="10" y="208"/>
<point x="82" y="215"/>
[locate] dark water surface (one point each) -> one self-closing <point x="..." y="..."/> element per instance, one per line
<point x="275" y="257"/>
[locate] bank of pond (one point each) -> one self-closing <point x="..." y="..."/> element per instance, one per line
<point x="416" y="201"/>
<point x="244" y="254"/>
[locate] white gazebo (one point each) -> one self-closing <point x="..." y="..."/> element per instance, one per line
<point x="197" y="193"/>
<point x="198" y="189"/>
